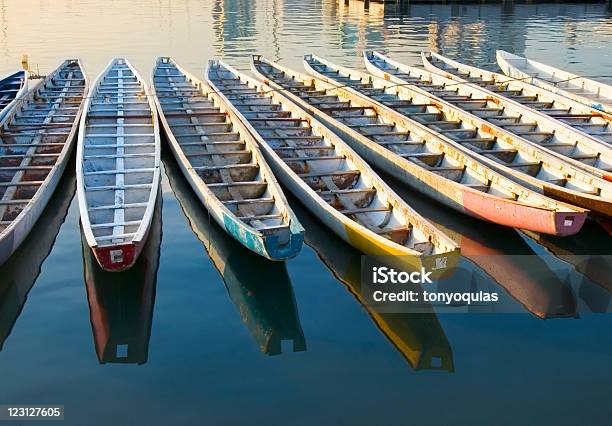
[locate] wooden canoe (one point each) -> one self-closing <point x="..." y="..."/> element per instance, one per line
<point x="118" y="158"/>
<point x="21" y="271"/>
<point x="223" y="164"/>
<point x="121" y="304"/>
<point x="36" y="140"/>
<point x="12" y="88"/>
<point x="260" y="289"/>
<point x="575" y="143"/>
<point x="334" y="183"/>
<point x="512" y="156"/>
<point x="427" y="161"/>
<point x="589" y="92"/>
<point x="512" y="119"/>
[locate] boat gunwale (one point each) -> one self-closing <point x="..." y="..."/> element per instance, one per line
<point x="145" y="222"/>
<point x="410" y="216"/>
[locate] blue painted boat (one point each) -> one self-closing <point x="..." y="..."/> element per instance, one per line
<point x="12" y="88"/>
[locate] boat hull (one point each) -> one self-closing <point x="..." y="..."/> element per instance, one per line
<point x="267" y="245"/>
<point x="584" y="142"/>
<point x="97" y="194"/>
<point x="528" y="210"/>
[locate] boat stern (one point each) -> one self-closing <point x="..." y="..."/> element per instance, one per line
<point x="278" y="250"/>
<point x="117" y="258"/>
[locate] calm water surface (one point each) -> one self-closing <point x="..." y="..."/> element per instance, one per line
<point x="201" y="332"/>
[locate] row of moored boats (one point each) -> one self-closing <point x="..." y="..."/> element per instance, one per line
<point x="531" y="149"/>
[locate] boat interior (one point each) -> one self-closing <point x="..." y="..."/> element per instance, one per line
<point x="10" y="87"/>
<point x="384" y="132"/>
<point x="217" y="152"/>
<point x="512" y="121"/>
<point x="119" y="155"/>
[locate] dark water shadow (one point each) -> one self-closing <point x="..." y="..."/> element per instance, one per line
<point x="418" y="337"/>
<point x="121" y="303"/>
<point x="501" y="254"/>
<point x="19" y="273"/>
<point x="260" y="289"/>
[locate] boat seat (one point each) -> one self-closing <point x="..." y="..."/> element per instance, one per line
<point x="265" y="200"/>
<point x="365" y="210"/>
<point x="584" y="156"/>
<point x="118" y="206"/>
<point x="261" y="217"/>
<point x="118" y="187"/>
<point x="526" y="164"/>
<point x="477" y="186"/>
<point x="330" y="173"/>
<point x="313" y="158"/>
<point x="224" y="167"/>
<point x="505" y="125"/>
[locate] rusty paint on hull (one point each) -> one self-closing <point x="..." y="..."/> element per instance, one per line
<point x="520" y="216"/>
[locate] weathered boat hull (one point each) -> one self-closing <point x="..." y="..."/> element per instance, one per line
<point x="418" y="337"/>
<point x="107" y="257"/>
<point x="513" y="65"/>
<point x="117" y="167"/>
<point x="592" y="127"/>
<point x="269" y="244"/>
<point x="508" y="94"/>
<point x="17" y="227"/>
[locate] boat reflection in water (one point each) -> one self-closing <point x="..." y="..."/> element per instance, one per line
<point x="503" y="255"/>
<point x="590" y="254"/>
<point x="121" y="303"/>
<point x="19" y="273"/>
<point x="419" y="337"/>
<point x="260" y="289"/>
